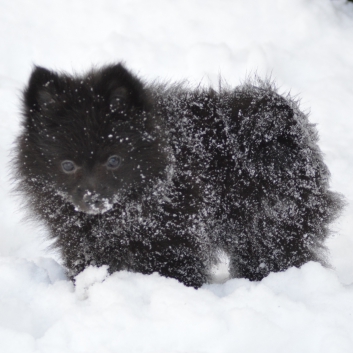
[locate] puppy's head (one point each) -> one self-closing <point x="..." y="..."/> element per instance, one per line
<point x="93" y="138"/>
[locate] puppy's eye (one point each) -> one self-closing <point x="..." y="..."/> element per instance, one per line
<point x="113" y="162"/>
<point x="68" y="166"/>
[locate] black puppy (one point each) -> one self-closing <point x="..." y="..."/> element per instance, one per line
<point x="161" y="178"/>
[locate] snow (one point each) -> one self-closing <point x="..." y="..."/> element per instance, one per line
<point x="307" y="47"/>
<point x="306" y="310"/>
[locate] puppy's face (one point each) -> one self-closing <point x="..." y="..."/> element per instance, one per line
<point x="94" y="183"/>
<point x="92" y="139"/>
<point x="96" y="187"/>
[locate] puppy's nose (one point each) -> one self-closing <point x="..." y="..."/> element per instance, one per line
<point x="92" y="199"/>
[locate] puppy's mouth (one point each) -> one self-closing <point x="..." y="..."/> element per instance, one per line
<point x="93" y="203"/>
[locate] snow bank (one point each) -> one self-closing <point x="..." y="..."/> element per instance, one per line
<point x="306" y="310"/>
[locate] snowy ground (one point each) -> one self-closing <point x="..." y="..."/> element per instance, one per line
<point x="307" y="46"/>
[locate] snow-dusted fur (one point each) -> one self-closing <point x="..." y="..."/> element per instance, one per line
<point x="193" y="172"/>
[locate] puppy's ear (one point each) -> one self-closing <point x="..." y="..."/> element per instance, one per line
<point x="120" y="87"/>
<point x="118" y="97"/>
<point x="42" y="89"/>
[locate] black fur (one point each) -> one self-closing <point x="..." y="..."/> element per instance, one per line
<point x="193" y="172"/>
